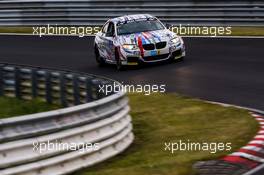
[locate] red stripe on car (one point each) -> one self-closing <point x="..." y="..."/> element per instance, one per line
<point x="140" y="46"/>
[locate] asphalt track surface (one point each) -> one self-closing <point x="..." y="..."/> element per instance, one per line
<point x="229" y="70"/>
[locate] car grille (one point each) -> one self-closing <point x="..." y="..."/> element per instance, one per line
<point x="157" y="57"/>
<point x="148" y="46"/>
<point x="161" y="45"/>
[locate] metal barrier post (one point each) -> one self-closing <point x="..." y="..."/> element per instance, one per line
<point x="48" y="87"/>
<point x="34" y="83"/>
<point x="1" y="80"/>
<point x="76" y="92"/>
<point x="89" y="96"/>
<point x="62" y="90"/>
<point x="17" y="83"/>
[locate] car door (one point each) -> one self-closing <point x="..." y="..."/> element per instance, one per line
<point x="109" y="42"/>
<point x="100" y="40"/>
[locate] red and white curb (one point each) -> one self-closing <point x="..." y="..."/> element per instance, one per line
<point x="251" y="155"/>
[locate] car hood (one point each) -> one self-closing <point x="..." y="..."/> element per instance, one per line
<point x="146" y="37"/>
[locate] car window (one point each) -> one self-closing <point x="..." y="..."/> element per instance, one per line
<point x="110" y="30"/>
<point x="139" y="26"/>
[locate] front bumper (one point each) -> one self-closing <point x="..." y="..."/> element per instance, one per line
<point x="172" y="52"/>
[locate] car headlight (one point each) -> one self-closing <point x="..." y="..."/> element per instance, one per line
<point x="130" y="46"/>
<point x="176" y="40"/>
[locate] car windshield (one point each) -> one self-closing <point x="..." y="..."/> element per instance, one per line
<point x="139" y="26"/>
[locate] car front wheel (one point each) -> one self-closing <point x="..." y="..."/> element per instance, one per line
<point x="99" y="59"/>
<point x="119" y="65"/>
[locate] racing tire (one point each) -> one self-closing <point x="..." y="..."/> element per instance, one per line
<point x="100" y="61"/>
<point x="172" y="60"/>
<point x="181" y="59"/>
<point x="119" y="65"/>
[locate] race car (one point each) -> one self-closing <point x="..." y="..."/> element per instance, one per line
<point x="135" y="39"/>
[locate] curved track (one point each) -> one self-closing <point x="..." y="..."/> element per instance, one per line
<point x="229" y="70"/>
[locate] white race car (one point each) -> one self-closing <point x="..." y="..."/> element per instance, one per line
<point x="132" y="39"/>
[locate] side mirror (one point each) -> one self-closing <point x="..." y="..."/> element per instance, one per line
<point x="168" y="25"/>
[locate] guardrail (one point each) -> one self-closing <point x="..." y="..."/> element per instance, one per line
<point x="96" y="119"/>
<point x="97" y="12"/>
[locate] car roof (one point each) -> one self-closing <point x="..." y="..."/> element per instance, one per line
<point x="125" y="18"/>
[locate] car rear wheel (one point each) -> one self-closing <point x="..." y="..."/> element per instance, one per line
<point x="99" y="59"/>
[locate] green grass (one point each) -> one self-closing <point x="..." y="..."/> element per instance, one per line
<point x="248" y="31"/>
<point x="11" y="107"/>
<point x="236" y="31"/>
<point x="26" y="30"/>
<point x="163" y="118"/>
